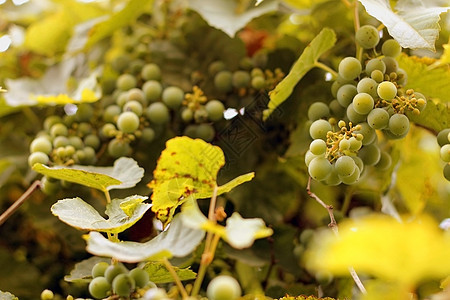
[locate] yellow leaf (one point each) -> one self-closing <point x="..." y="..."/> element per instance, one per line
<point x="87" y="96"/>
<point x="445" y="58"/>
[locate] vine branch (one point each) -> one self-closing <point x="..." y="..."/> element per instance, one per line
<point x="175" y="277"/>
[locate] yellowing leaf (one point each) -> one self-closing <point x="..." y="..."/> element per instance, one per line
<point x="379" y="245"/>
<point x="159" y="274"/>
<point x="88" y="97"/>
<point x="445" y="57"/>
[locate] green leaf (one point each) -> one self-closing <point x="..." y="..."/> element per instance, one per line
<point x="229" y="16"/>
<point x="225" y="188"/>
<point x="319" y="45"/>
<point x="82" y="272"/>
<point x="159" y="274"/>
<point x="435" y="116"/>
<point x="79" y="214"/>
<point x="7" y="296"/>
<point x="414" y="25"/>
<point x="178" y="240"/>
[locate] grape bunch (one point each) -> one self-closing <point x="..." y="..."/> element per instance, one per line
<point x="369" y="97"/>
<point x="443" y="139"/>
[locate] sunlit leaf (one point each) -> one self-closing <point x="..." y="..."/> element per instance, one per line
<point x="82" y="272"/>
<point x="379" y="245"/>
<point x="414" y="25"/>
<point x="159" y="274"/>
<point x="178" y="240"/>
<point x="319" y="45"/>
<point x="81" y="215"/>
<point x="445" y="57"/>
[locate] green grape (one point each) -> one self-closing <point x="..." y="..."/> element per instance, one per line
<point x="345" y="94"/>
<point x="353" y="178"/>
<point x="355" y="144"/>
<point x="375" y="64"/>
<point x="128" y="122"/>
<point x="391" y="64"/>
<point x="47" y="295"/>
<point x="338" y="83"/>
<point x="344" y="144"/>
<point x="206" y="132"/>
<point x="190" y="131"/>
<point x="377" y="76"/>
<point x="391" y="48"/>
<point x="215" y="109"/>
<point x="319" y="168"/>
<point x="241" y="79"/>
<point x="126" y="82"/>
<point x="123" y="285"/>
<point x="41" y="144"/>
<point x="353" y="116"/>
<point x="318" y="110"/>
<point x="402" y="77"/>
<point x="367" y="36"/>
<point x="367" y="85"/>
<point x="318" y="147"/>
<point x="59" y="129"/>
<point x="201" y="114"/>
<point x="99" y="269"/>
<point x="445" y="153"/>
<point x="120" y="63"/>
<point x="111" y="113"/>
<point x="398" y="124"/>
<point x="447" y="172"/>
<point x="385" y="161"/>
<point x="257" y="72"/>
<point x="92" y="140"/>
<point x="370" y="154"/>
<point x="258" y="82"/>
<point x="152" y="90"/>
<point x="187" y="115"/>
<point x="99" y="287"/>
<point x="118" y="148"/>
<point x="108" y="85"/>
<point x="442" y="137"/>
<point x="60" y="141"/>
<point x="333" y="179"/>
<point x="113" y="270"/>
<point x="215" y="67"/>
<point x="50" y="121"/>
<point x="50" y="186"/>
<point x="359" y="163"/>
<point x="89" y="155"/>
<point x="140" y="276"/>
<point x="136" y="66"/>
<point x="421" y="101"/>
<point x="336" y="109"/>
<point x="148" y="134"/>
<point x="386" y="90"/>
<point x="349" y="68"/>
<point x="157" y="113"/>
<point x="246" y="63"/>
<point x="69" y="150"/>
<point x="121" y="99"/>
<point x="136" y="94"/>
<point x="319" y="129"/>
<point x="84" y="113"/>
<point x="84" y="129"/>
<point x="345" y="166"/>
<point x="76" y="142"/>
<point x="151" y="72"/>
<point x="38" y="157"/>
<point x="378" y="118"/>
<point x="223" y="81"/>
<point x="133" y="106"/>
<point x="369" y="134"/>
<point x="172" y="96"/>
<point x="223" y="287"/>
<point x="108" y="130"/>
<point x="363" y="103"/>
<point x="309" y="156"/>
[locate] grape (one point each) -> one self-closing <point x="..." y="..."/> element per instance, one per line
<point x="241" y="79"/>
<point x="318" y="110"/>
<point x="336" y="109"/>
<point x="359" y="163"/>
<point x="355" y="144"/>
<point x="47" y="295"/>
<point x="113" y="270"/>
<point x="445" y="153"/>
<point x="59" y="129"/>
<point x="38" y="157"/>
<point x="318" y="147"/>
<point x="215" y="110"/>
<point x="133" y="106"/>
<point x="89" y="155"/>
<point x="137" y="95"/>
<point x="349" y="68"/>
<point x="126" y="82"/>
<point x="223" y="287"/>
<point x="386" y="90"/>
<point x="385" y="161"/>
<point x="333" y="179"/>
<point x="84" y="129"/>
<point x="200" y="114"/>
<point x="151" y="72"/>
<point x="120" y="63"/>
<point x="377" y="76"/>
<point x="121" y="99"/>
<point x="391" y="48"/>
<point x="155" y="294"/>
<point x="402" y="77"/>
<point x="49" y="185"/>
<point x="367" y="36"/>
<point x="140" y="276"/>
<point x="205" y="131"/>
<point x="60" y="141"/>
<point x="128" y="122"/>
<point x="69" y="150"/>
<point x="345" y="166"/>
<point x="258" y="82"/>
<point x="391" y="64"/>
<point x="367" y="85"/>
<point x="187" y="115"/>
<point x="215" y="67"/>
<point x="309" y="156"/>
<point x="108" y="130"/>
<point x="123" y="285"/>
<point x="442" y="137"/>
<point x="41" y="144"/>
<point x="223" y="81"/>
<point x="246" y="63"/>
<point x="152" y="90"/>
<point x="157" y="113"/>
<point x="363" y="103"/>
<point x="99" y="287"/>
<point x="421" y="101"/>
<point x="345" y="94"/>
<point x="76" y="142"/>
<point x="378" y="118"/>
<point x="353" y="178"/>
<point x="338" y="82"/>
<point x="172" y="96"/>
<point x="398" y="124"/>
<point x="370" y="154"/>
<point x="319" y="168"/>
<point x="344" y="144"/>
<point x="353" y="116"/>
<point x="447" y="172"/>
<point x="369" y="134"/>
<point x="111" y="113"/>
<point x="99" y="269"/>
<point x="50" y="121"/>
<point x="118" y="148"/>
<point x="319" y="129"/>
<point x="375" y="64"/>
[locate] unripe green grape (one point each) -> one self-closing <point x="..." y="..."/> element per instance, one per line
<point x="385" y="161"/>
<point x="215" y="109"/>
<point x="76" y="142"/>
<point x="378" y="118"/>
<point x="84" y="112"/>
<point x="108" y="130"/>
<point x="99" y="287"/>
<point x="386" y="90"/>
<point x="136" y="94"/>
<point x="345" y="166"/>
<point x="318" y="147"/>
<point x="442" y="137"/>
<point x="190" y="131"/>
<point x="375" y="64"/>
<point x="421" y="101"/>
<point x="187" y="115"/>
<point x="223" y="81"/>
<point x="133" y="106"/>
<point x="258" y="82"/>
<point x="445" y="153"/>
<point x="370" y="154"/>
<point x="344" y="144"/>
<point x="398" y="124"/>
<point x="353" y="178"/>
<point x="89" y="155"/>
<point x="128" y="122"/>
<point x="215" y="67"/>
<point x="309" y="156"/>
<point x="148" y="134"/>
<point x="367" y="36"/>
<point x="172" y="96"/>
<point x="349" y="68"/>
<point x="120" y="63"/>
<point x="38" y="157"/>
<point x="206" y="132"/>
<point x="369" y="134"/>
<point x="336" y="109"/>
<point x="152" y="90"/>
<point x="355" y="144"/>
<point x="60" y="141"/>
<point x="319" y="129"/>
<point x="363" y="103"/>
<point x="118" y="148"/>
<point x="50" y="186"/>
<point x="84" y="129"/>
<point x="447" y="171"/>
<point x="319" y="168"/>
<point x="353" y="116"/>
<point x="391" y="48"/>
<point x="333" y="179"/>
<point x="111" y="113"/>
<point x="136" y="66"/>
<point x="391" y="64"/>
<point x="151" y="72"/>
<point x="140" y="276"/>
<point x="345" y="94"/>
<point x="41" y="144"/>
<point x="318" y="110"/>
<point x="241" y="79"/>
<point x="113" y="270"/>
<point x="47" y="295"/>
<point x="123" y="285"/>
<point x="50" y="121"/>
<point x="359" y="163"/>
<point x="121" y="99"/>
<point x="377" y="76"/>
<point x="69" y="150"/>
<point x="246" y="63"/>
<point x="200" y="115"/>
<point x="257" y="72"/>
<point x="157" y="113"/>
<point x="223" y="287"/>
<point x="402" y="77"/>
<point x="99" y="269"/>
<point x="92" y="140"/>
<point x="367" y="85"/>
<point x="126" y="82"/>
<point x="59" y="129"/>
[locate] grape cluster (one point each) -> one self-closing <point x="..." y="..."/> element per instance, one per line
<point x="368" y="97"/>
<point x="443" y="139"/>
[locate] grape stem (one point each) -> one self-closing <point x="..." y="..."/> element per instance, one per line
<point x="334" y="227"/>
<point x="326" y="68"/>
<point x="175" y="277"/>
<point x="15" y="206"/>
<point x="108" y="197"/>
<point x="346" y="3"/>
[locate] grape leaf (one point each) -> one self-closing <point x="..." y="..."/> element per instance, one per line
<point x="159" y="274"/>
<point x="81" y="215"/>
<point x="414" y="25"/>
<point x="82" y="272"/>
<point x="187" y="167"/>
<point x="307" y="60"/>
<point x="178" y="240"/>
<point x="226" y="16"/>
